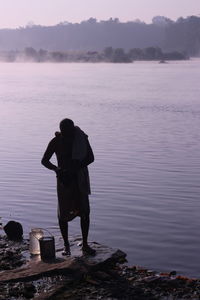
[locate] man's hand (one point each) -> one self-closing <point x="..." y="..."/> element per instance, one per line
<point x="58" y="171"/>
<point x="64" y="176"/>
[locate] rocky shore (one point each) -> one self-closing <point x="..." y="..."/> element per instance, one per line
<point x="105" y="276"/>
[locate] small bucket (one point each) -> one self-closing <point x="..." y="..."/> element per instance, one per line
<point x="47" y="248"/>
<point x="34" y="236"/>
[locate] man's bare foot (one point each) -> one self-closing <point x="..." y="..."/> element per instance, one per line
<point x="88" y="250"/>
<point x="66" y="251"/>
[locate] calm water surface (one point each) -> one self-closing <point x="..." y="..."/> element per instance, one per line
<point x="143" y="121"/>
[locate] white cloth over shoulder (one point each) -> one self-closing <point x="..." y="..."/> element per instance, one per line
<point x="79" y="149"/>
<point x="79" y="152"/>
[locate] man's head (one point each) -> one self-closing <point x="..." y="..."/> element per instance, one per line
<point x="67" y="127"/>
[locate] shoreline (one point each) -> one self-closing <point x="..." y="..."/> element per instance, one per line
<point x="97" y="62"/>
<point x="105" y="276"/>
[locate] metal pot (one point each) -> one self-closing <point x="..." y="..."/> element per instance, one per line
<point x="47" y="248"/>
<point x="34" y="236"/>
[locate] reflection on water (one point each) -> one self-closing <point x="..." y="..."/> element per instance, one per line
<point x="143" y="123"/>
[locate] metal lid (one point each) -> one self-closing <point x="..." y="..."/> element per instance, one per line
<point x="36" y="230"/>
<point x="46" y="238"/>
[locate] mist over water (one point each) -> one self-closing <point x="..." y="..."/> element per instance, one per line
<point x="143" y="123"/>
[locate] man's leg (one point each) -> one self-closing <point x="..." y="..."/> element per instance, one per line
<point x="85" y="224"/>
<point x="64" y="231"/>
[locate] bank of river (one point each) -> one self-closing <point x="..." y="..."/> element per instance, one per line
<point x="105" y="276"/>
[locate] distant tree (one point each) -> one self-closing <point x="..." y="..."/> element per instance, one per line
<point x="175" y="55"/>
<point x="31" y="53"/>
<point x="136" y="54"/>
<point x="57" y="56"/>
<point x="90" y="21"/>
<point x="193" y="38"/>
<point x="161" y="21"/>
<point x="11" y="56"/>
<point x="138" y="21"/>
<point x="180" y="20"/>
<point x="152" y="53"/>
<point x="184" y="35"/>
<point x="113" y="20"/>
<point x="42" y="55"/>
<point x="64" y="23"/>
<point x="116" y="20"/>
<point x="119" y="56"/>
<point x="108" y="52"/>
<point x="30" y="24"/>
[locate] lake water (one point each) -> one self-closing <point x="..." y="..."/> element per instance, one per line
<point x="143" y="122"/>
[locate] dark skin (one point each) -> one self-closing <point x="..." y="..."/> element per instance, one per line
<point x="55" y="146"/>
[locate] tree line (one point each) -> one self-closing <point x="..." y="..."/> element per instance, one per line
<point x="109" y="54"/>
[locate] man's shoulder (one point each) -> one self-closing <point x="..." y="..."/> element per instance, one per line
<point x="53" y="142"/>
<point x="80" y="131"/>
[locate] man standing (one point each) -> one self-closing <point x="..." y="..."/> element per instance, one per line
<point x="74" y="154"/>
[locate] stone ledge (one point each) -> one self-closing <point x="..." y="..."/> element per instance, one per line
<point x="76" y="265"/>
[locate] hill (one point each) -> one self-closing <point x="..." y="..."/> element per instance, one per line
<point x="182" y="35"/>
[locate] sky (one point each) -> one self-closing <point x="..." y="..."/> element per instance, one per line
<point x="16" y="13"/>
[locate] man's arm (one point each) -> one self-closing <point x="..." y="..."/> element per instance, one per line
<point x="47" y="156"/>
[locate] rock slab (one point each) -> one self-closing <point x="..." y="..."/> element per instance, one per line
<point x="77" y="265"/>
